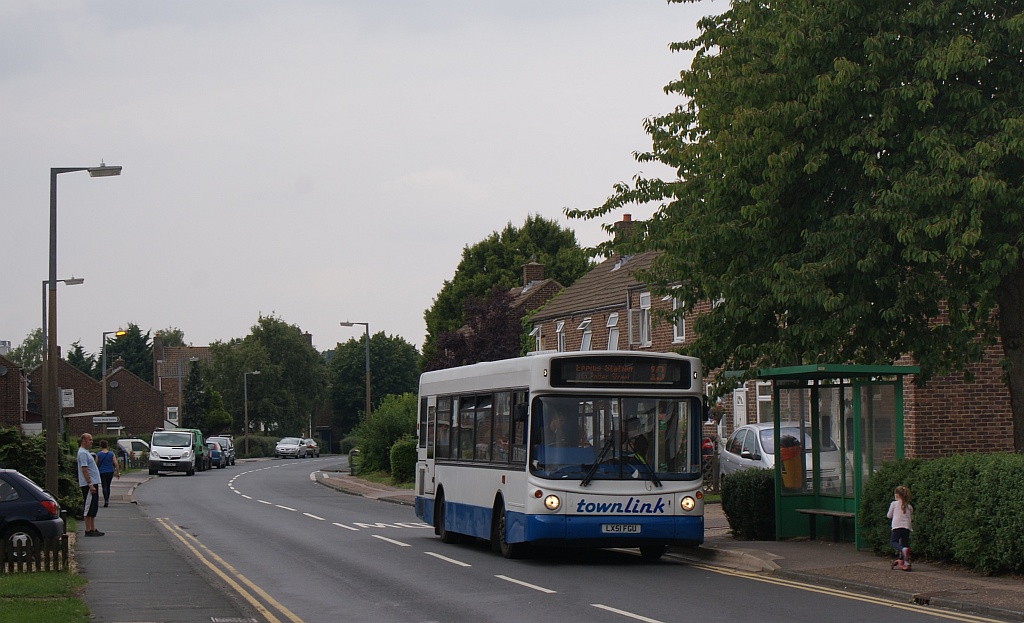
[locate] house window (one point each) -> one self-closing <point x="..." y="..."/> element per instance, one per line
<point x="613" y="331"/>
<point x="560" y="333"/>
<point x="172" y="414"/>
<point x="538" y="340"/>
<point x="645" y="319"/>
<point x="586" y="338"/>
<point x="764" y="401"/>
<point x="678" y="321"/>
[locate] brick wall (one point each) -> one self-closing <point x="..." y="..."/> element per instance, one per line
<point x="12" y="394"/>
<point x="950" y="416"/>
<point x="139" y="405"/>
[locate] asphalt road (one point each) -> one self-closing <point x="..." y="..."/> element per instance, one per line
<point x="309" y="553"/>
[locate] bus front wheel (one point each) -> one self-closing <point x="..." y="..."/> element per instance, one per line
<point x="653" y="553"/>
<point x="508" y="550"/>
<point x="447" y="536"/>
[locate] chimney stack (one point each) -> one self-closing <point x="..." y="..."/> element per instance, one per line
<point x="532" y="272"/>
<point x="624" y="228"/>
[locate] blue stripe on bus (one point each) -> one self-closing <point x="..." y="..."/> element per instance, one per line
<point x="476" y="521"/>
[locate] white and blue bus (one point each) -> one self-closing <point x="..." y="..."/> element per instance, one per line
<point x="590" y="449"/>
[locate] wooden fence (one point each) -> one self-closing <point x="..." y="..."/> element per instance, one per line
<point x="45" y="555"/>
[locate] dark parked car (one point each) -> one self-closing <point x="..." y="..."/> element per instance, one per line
<point x="227" y="447"/>
<point x="27" y="513"/>
<point x="217" y="456"/>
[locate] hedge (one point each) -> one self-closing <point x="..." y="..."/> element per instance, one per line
<point x="748" y="501"/>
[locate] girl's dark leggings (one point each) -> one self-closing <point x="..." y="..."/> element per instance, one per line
<point x="899" y="539"/>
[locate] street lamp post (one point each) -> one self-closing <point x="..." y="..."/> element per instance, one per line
<point x="50" y="398"/>
<point x="74" y="281"/>
<point x="245" y="399"/>
<point x="367" y="325"/>
<point x="103" y="358"/>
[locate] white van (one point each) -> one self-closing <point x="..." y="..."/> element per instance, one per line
<point x="132" y="447"/>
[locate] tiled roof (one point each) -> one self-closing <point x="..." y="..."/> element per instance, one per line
<point x="173" y="354"/>
<point x="603" y="287"/>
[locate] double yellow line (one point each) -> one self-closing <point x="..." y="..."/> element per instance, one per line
<point x="235" y="579"/>
<point x="930" y="611"/>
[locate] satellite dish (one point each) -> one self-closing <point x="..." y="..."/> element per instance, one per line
<point x="114" y="384"/>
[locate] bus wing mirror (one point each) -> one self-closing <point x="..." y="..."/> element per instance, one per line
<point x="520" y="412"/>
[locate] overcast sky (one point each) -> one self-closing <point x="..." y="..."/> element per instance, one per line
<point x="319" y="161"/>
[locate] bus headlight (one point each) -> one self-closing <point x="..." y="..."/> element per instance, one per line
<point x="687" y="503"/>
<point x="552" y="502"/>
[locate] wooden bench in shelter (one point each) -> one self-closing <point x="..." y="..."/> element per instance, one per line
<point x="837" y="517"/>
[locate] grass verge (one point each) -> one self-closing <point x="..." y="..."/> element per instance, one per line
<point x="41" y="598"/>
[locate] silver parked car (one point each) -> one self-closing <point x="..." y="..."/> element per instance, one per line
<point x="312" y="447"/>
<point x="752" y="446"/>
<point x="290" y="446"/>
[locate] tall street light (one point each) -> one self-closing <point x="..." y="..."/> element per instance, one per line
<point x="245" y="399"/>
<point x="367" y="325"/>
<point x="74" y="281"/>
<point x="50" y="398"/>
<point x="103" y="357"/>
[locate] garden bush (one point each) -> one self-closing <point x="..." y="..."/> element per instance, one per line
<point x="967" y="509"/>
<point x="392" y="420"/>
<point x="28" y="456"/>
<point x="403" y="459"/>
<point x="748" y="501"/>
<point x="259" y="446"/>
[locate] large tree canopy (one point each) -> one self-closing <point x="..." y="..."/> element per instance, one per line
<point x="291" y="384"/>
<point x="393" y="370"/>
<point x="848" y="181"/>
<point x="497" y="261"/>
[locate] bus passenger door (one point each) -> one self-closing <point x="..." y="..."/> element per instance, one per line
<point x="425" y="462"/>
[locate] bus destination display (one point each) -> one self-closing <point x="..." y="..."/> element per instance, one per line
<point x="601" y="371"/>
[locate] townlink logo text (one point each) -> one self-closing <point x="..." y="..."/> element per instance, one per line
<point x="631" y="506"/>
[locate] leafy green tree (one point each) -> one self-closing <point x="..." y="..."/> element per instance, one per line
<point x="493" y="331"/>
<point x="136" y="349"/>
<point x="849" y="183"/>
<point x="82" y="360"/>
<point x="29" y="354"/>
<point x="498" y="261"/>
<point x="393" y="370"/>
<point x="291" y="385"/>
<point x="217" y="420"/>
<point x="194" y="399"/>
<point x="394" y="419"/>
<point x="172" y="336"/>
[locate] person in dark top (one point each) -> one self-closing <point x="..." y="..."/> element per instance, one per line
<point x="107" y="463"/>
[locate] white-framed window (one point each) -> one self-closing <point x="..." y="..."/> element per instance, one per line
<point x="764" y="401"/>
<point x="172" y="414"/>
<point x="538" y="340"/>
<point x="560" y="334"/>
<point x="645" y="319"/>
<point x="613" y="331"/>
<point x="678" y="320"/>
<point x="585" y="339"/>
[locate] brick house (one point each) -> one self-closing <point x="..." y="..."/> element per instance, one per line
<point x="170" y="373"/>
<point x="83" y="392"/>
<point x="609" y="309"/>
<point x="536" y="289"/>
<point x="138" y="405"/>
<point x="13" y="395"/>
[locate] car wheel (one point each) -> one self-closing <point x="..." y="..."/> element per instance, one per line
<point x="21" y="536"/>
<point x="152" y="472"/>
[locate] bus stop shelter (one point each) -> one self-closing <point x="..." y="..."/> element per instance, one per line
<point x="834" y="426"/>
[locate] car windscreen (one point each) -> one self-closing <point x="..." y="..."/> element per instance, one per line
<point x="290" y="441"/>
<point x="172" y="440"/>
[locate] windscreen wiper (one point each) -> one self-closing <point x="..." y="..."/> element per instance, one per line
<point x="650" y="470"/>
<point x="600" y="457"/>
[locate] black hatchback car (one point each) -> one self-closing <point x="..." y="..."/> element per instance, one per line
<point x="27" y="513"/>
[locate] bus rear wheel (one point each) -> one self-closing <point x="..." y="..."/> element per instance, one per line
<point x="447" y="536"/>
<point x="508" y="550"/>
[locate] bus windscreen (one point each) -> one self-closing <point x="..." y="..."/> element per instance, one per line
<point x="620" y="371"/>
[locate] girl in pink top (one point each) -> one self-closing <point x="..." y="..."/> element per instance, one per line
<point x="901" y="512"/>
